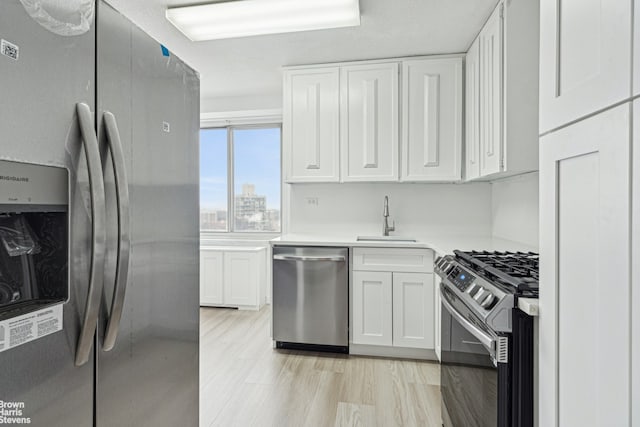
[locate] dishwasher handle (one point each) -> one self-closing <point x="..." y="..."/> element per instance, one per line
<point x="331" y="258"/>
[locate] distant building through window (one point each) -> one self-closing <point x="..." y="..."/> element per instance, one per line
<point x="240" y="178"/>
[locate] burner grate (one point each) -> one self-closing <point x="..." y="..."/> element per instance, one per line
<point x="517" y="269"/>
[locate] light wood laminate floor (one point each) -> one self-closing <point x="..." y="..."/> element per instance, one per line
<point x="245" y="382"/>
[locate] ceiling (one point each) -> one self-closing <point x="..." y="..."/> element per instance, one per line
<point x="251" y="66"/>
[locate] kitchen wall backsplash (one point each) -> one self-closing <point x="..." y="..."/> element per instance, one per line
<point x="514" y="209"/>
<point x="418" y="209"/>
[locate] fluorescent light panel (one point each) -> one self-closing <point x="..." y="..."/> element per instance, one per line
<point x="242" y="18"/>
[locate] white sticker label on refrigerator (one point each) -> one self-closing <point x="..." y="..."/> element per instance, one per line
<point x="9" y="49"/>
<point x="166" y="127"/>
<point x="31" y="326"/>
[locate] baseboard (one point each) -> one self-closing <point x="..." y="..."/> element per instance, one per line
<point x="397" y="352"/>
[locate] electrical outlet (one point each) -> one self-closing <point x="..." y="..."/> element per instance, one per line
<point x="312" y="201"/>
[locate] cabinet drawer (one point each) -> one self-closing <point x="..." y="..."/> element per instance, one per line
<point x="393" y="259"/>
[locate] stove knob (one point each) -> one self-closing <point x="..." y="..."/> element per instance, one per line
<point x="482" y="291"/>
<point x="472" y="289"/>
<point x="488" y="301"/>
<point x="445" y="267"/>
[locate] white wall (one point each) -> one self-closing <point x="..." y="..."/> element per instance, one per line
<point x="241" y="103"/>
<point x="418" y="209"/>
<point x="506" y="209"/>
<point x="514" y="209"/>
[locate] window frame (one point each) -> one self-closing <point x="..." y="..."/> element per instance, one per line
<point x="230" y="231"/>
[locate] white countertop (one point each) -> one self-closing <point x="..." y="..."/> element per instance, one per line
<point x="442" y="245"/>
<point x="235" y="248"/>
<point x="530" y="306"/>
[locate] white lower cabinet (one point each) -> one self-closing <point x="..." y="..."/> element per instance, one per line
<point x="372" y="308"/>
<point x="211" y="278"/>
<point x="413" y="310"/>
<point x="233" y="277"/>
<point x="438" y="319"/>
<point x="393" y="308"/>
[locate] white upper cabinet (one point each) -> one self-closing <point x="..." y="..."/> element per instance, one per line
<point x="635" y="268"/>
<point x="431" y="119"/>
<point x="636" y="47"/>
<point x="472" y="112"/>
<point x="311" y="117"/>
<point x="341" y="123"/>
<point x="369" y="126"/>
<point x="501" y="134"/>
<point x="491" y="94"/>
<point x="585" y="58"/>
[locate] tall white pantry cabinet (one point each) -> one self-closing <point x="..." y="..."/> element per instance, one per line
<point x="589" y="214"/>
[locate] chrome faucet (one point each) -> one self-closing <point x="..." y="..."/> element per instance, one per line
<point x="385" y="215"/>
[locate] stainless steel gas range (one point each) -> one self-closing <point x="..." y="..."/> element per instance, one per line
<point x="487" y="342"/>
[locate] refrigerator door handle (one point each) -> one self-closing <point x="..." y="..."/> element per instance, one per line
<point x="124" y="234"/>
<point x="98" y="233"/>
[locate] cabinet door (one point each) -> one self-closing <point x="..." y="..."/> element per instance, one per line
<point x="584" y="58"/>
<point x="491" y="54"/>
<point x="393" y="259"/>
<point x="438" y="319"/>
<point x="584" y="349"/>
<point x="413" y="310"/>
<point x="472" y="112"/>
<point x="636" y="47"/>
<point x="369" y="126"/>
<point x="311" y="116"/>
<point x="432" y="120"/>
<point x="211" y="277"/>
<point x="372" y="308"/>
<point x="240" y="279"/>
<point x="635" y="268"/>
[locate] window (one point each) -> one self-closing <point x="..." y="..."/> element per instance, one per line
<point x="213" y="179"/>
<point x="240" y="179"/>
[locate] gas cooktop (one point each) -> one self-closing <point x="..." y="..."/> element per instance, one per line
<point x="507" y="269"/>
<point x="488" y="283"/>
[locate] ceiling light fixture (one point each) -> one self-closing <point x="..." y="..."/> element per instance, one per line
<point x="244" y="18"/>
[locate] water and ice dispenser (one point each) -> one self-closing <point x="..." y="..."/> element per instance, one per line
<point x="34" y="237"/>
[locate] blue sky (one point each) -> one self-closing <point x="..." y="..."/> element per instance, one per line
<point x="256" y="161"/>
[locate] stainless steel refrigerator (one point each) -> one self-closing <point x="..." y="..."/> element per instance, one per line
<point x="82" y="88"/>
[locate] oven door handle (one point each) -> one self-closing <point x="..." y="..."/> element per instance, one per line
<point x="485" y="339"/>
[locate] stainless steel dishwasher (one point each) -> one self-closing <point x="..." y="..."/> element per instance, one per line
<point x="311" y="298"/>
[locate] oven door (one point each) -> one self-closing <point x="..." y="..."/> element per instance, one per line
<point x="472" y="383"/>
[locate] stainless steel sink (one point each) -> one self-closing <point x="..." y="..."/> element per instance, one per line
<point x="384" y="239"/>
